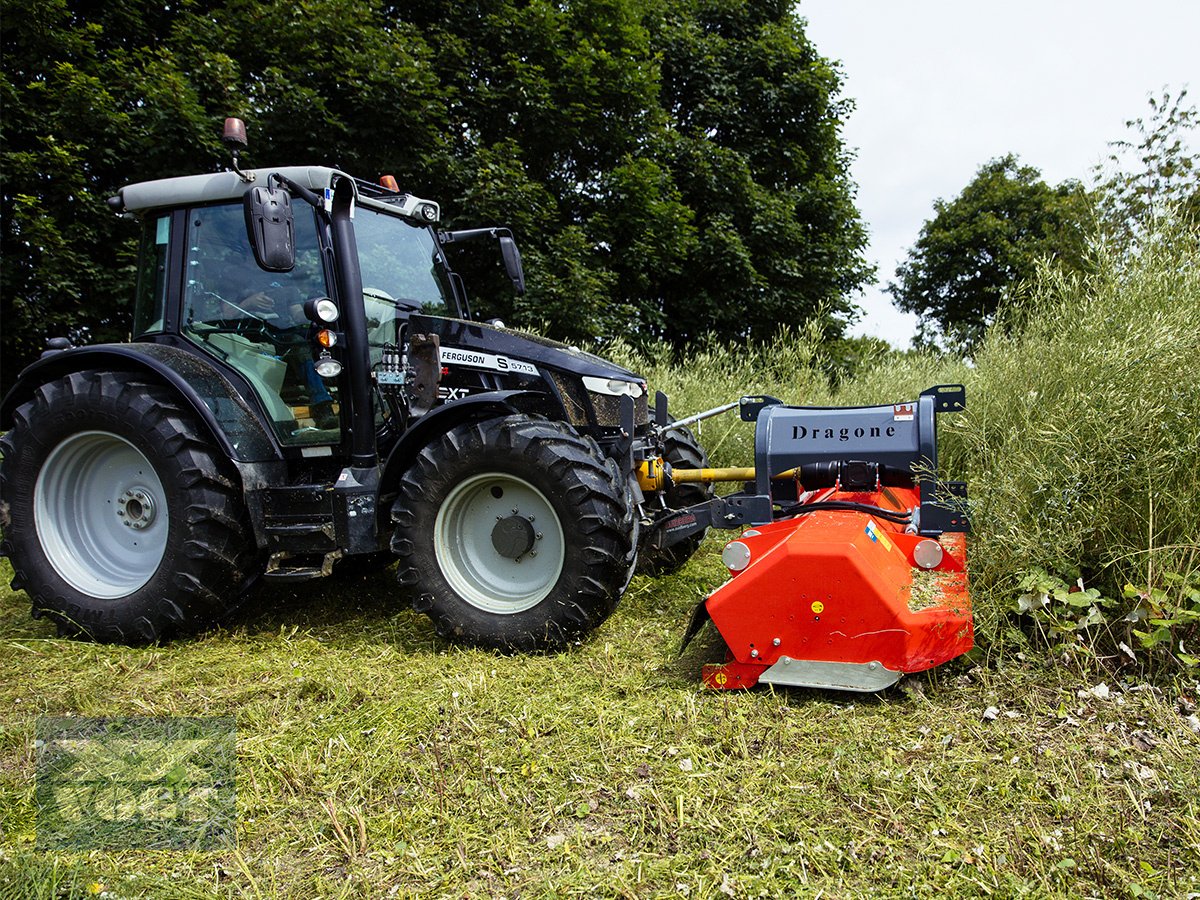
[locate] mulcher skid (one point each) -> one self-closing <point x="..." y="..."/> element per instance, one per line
<point x="853" y="572"/>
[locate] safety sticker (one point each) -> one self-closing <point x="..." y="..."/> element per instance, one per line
<point x="904" y="412"/>
<point x="458" y="356"/>
<point x="818" y="607"/>
<point x="877" y="534"/>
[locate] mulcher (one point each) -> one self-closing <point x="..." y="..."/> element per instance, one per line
<point x="854" y="572"/>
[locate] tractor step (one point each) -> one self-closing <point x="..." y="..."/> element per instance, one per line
<point x="278" y="570"/>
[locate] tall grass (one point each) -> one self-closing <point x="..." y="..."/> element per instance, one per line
<point x="1082" y="439"/>
<point x="787" y="367"/>
<point x="1080" y="443"/>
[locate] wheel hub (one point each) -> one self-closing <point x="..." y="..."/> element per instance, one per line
<point x="499" y="543"/>
<point x="513" y="536"/>
<point x="135" y="509"/>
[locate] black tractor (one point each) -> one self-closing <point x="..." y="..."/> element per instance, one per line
<point x="307" y="390"/>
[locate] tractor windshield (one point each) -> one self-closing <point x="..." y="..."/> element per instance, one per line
<point x="401" y="274"/>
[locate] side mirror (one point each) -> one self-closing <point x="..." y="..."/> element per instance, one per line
<point x="271" y="228"/>
<point x="512" y="263"/>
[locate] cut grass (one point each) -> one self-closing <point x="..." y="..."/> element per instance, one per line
<point x="374" y="760"/>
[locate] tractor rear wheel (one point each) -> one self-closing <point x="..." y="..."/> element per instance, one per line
<point x="514" y="533"/>
<point x="123" y="522"/>
<point x="681" y="450"/>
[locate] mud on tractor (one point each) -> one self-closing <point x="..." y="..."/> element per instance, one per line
<point x="307" y="389"/>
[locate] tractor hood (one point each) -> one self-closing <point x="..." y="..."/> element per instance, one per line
<point x="518" y="345"/>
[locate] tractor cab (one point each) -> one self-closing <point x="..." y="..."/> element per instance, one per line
<point x="200" y="280"/>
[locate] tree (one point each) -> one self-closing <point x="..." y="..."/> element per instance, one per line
<point x="1155" y="169"/>
<point x="981" y="244"/>
<point x="672" y="168"/>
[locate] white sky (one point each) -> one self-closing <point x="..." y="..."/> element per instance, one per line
<point x="942" y="87"/>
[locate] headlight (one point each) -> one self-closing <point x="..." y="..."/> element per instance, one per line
<point x="321" y="309"/>
<point x="614" y="387"/>
<point x="327" y="366"/>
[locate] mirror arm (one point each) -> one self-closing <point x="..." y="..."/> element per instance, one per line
<point x="472" y="234"/>
<point x="302" y="192"/>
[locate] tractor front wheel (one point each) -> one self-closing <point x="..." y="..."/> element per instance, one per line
<point x="122" y="521"/>
<point x="514" y="533"/>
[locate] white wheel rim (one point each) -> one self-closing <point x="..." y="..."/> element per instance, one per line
<point x="469" y="558"/>
<point x="100" y="513"/>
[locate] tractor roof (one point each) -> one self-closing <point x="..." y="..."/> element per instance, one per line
<point x="190" y="190"/>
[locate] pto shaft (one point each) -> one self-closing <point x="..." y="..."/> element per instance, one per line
<point x="710" y="476"/>
<point x="653" y="475"/>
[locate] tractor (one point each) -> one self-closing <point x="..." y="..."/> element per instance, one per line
<point x="307" y="390"/>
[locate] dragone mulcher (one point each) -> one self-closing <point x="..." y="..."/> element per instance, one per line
<point x="854" y="572"/>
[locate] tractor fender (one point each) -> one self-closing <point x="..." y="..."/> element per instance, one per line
<point x="473" y="408"/>
<point x="230" y="419"/>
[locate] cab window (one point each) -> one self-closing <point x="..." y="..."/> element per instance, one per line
<point x="152" y="275"/>
<point x="400" y="275"/>
<point x="254" y="320"/>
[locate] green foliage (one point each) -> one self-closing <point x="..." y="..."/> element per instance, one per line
<point x="981" y="245"/>
<point x="790" y="366"/>
<point x="1082" y="437"/>
<point x="1062" y="611"/>
<point x="1152" y="171"/>
<point x="1170" y="610"/>
<point x="671" y="169"/>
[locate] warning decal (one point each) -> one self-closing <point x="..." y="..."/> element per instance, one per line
<point x="877" y="534"/>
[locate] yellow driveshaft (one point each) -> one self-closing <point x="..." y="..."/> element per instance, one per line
<point x="653" y="475"/>
<point x="709" y="476"/>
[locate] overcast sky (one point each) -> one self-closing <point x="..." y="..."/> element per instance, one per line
<point x="942" y="87"/>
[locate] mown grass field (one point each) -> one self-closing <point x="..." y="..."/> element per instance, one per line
<point x="1061" y="759"/>
<point x="607" y="771"/>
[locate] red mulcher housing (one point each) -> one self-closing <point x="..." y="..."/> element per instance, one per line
<point x="854" y="572"/>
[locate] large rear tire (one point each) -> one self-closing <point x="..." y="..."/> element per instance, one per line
<point x="681" y="450"/>
<point x="514" y="533"/>
<point x="123" y="523"/>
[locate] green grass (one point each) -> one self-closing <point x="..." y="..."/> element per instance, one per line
<point x="607" y="771"/>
